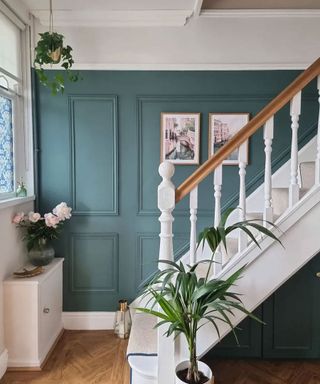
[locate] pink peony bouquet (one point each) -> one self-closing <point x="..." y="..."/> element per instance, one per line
<point x="39" y="227"/>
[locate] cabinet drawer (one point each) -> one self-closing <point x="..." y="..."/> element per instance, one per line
<point x="50" y="309"/>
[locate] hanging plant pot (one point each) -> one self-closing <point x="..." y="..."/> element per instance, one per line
<point x="51" y="51"/>
<point x="56" y="55"/>
<point x="206" y="376"/>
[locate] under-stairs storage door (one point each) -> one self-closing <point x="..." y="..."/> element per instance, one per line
<point x="292" y="315"/>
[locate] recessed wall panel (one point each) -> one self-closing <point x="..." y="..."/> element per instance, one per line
<point x="94" y="262"/>
<point x="148" y="253"/>
<point x="94" y="155"/>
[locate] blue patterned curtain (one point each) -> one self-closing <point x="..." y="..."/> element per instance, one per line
<point x="6" y="146"/>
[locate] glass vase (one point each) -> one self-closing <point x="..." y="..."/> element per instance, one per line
<point x="42" y="252"/>
<point x="122" y="325"/>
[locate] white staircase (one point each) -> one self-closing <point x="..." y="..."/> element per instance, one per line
<point x="293" y="205"/>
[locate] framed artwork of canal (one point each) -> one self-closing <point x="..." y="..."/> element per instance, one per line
<point x="180" y="137"/>
<point x="222" y="127"/>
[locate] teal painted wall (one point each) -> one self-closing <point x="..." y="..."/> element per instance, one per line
<point x="98" y="150"/>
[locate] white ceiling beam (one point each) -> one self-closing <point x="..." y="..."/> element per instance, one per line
<point x="272" y="13"/>
<point x="197" y="7"/>
<point x="141" y="18"/>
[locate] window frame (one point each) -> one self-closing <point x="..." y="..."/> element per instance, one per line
<point x="21" y="97"/>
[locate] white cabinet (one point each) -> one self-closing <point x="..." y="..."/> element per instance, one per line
<point x="33" y="316"/>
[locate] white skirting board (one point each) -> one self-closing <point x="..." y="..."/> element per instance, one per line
<point x="88" y="320"/>
<point x="3" y="362"/>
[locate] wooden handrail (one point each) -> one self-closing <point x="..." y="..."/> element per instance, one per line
<point x="249" y="129"/>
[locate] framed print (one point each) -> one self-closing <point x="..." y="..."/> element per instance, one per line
<point x="222" y="127"/>
<point x="180" y="133"/>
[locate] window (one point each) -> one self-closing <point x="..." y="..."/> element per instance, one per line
<point x="15" y="121"/>
<point x="6" y="146"/>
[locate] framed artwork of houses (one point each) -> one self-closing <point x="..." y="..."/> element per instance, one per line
<point x="180" y="137"/>
<point x="222" y="127"/>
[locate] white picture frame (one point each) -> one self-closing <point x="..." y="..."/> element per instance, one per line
<point x="180" y="138"/>
<point x="222" y="127"/>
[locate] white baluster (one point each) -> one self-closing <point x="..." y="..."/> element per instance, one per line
<point x="166" y="204"/>
<point x="217" y="181"/>
<point x="242" y="238"/>
<point x="268" y="137"/>
<point x="193" y="228"/>
<point x="317" y="174"/>
<point x="295" y="110"/>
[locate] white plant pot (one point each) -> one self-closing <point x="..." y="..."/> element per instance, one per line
<point x="204" y="368"/>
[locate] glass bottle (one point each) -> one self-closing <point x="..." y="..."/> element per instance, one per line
<point x="21" y="189"/>
<point x="122" y="324"/>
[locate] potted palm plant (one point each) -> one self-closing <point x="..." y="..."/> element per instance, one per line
<point x="188" y="300"/>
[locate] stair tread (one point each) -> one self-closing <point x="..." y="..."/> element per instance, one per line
<point x="259" y="216"/>
<point x="143" y="336"/>
<point x="307" y="173"/>
<point x="254" y="215"/>
<point x="286" y="189"/>
<point x="249" y="216"/>
<point x="285" y="192"/>
<point x="280" y="199"/>
<point x="232" y="246"/>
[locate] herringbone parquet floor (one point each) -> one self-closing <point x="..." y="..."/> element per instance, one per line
<point x="98" y="357"/>
<point x="266" y="372"/>
<point x="80" y="357"/>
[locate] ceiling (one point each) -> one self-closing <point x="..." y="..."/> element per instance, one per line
<point x="109" y="5"/>
<point x="169" y="13"/>
<point x="110" y="13"/>
<point x="286" y="35"/>
<point x="173" y="5"/>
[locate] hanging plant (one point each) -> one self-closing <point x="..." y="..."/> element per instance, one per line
<point x="50" y="50"/>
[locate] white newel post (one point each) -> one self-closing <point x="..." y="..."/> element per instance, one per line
<point x="295" y="110"/>
<point x="193" y="227"/>
<point x="268" y="137"/>
<point x="217" y="182"/>
<point x="166" y="204"/>
<point x="242" y="239"/>
<point x="317" y="171"/>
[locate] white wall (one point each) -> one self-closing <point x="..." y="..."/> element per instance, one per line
<point x="204" y="43"/>
<point x="12" y="249"/>
<point x="12" y="252"/>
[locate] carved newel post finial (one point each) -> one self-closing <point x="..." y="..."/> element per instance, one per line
<point x="166" y="204"/>
<point x="166" y="170"/>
